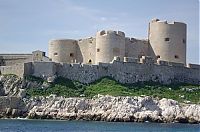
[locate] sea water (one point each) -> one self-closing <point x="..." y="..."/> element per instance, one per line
<point x="13" y="125"/>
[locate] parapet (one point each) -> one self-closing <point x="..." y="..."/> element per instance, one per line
<point x="110" y="32"/>
<point x="57" y="41"/>
<point x="162" y="63"/>
<point x="176" y="64"/>
<point x="146" y="60"/>
<point x="166" y="22"/>
<point x="195" y="66"/>
<point x="130" y="59"/>
<point x="132" y="40"/>
<point x="167" y="63"/>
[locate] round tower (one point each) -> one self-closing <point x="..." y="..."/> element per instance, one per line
<point x="168" y="40"/>
<point x="109" y="44"/>
<point x="62" y="50"/>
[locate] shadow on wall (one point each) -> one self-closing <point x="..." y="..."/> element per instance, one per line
<point x="151" y="52"/>
<point x="79" y="56"/>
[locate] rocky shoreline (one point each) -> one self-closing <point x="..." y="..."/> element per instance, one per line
<point x="101" y="108"/>
<point x="14" y="103"/>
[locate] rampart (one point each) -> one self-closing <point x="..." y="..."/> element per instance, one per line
<point x="14" y="59"/>
<point x="130" y="71"/>
<point x="11" y="59"/>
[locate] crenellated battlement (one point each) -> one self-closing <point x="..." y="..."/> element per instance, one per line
<point x="166" y="22"/>
<point x="131" y="40"/>
<point x="134" y="40"/>
<point x="128" y="70"/>
<point x="110" y="32"/>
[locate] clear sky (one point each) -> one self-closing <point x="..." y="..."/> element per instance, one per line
<point x="27" y="25"/>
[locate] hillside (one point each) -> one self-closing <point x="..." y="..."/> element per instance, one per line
<point x="108" y="86"/>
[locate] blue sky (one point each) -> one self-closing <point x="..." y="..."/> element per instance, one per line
<point x="27" y="25"/>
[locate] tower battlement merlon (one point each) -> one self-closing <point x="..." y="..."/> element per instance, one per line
<point x="167" y="22"/>
<point x="132" y="40"/>
<point x="110" y="32"/>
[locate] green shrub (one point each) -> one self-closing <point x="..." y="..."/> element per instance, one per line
<point x="108" y="86"/>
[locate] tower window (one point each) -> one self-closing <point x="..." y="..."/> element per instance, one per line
<point x="184" y="41"/>
<point x="166" y="39"/>
<point x="90" y="61"/>
<point x="158" y="56"/>
<point x="55" y="54"/>
<point x="176" y="56"/>
<point x="71" y="54"/>
<point x="98" y="50"/>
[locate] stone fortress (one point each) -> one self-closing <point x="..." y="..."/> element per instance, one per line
<point x="166" y="41"/>
<point x="159" y="58"/>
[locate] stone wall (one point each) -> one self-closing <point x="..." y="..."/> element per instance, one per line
<point x="43" y="69"/>
<point x="136" y="48"/>
<point x="11" y="59"/>
<point x="168" y="40"/>
<point x="86" y="50"/>
<point x="131" y="71"/>
<point x="124" y="72"/>
<point x="17" y="69"/>
<point x="63" y="50"/>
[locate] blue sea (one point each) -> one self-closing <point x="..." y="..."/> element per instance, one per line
<point x="14" y="125"/>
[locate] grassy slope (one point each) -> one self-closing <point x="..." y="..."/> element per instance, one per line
<point x="68" y="88"/>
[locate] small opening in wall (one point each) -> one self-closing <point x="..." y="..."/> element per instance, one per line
<point x="184" y="41"/>
<point x="158" y="56"/>
<point x="90" y="61"/>
<point x="71" y="54"/>
<point x="98" y="50"/>
<point x="55" y="54"/>
<point x="166" y="39"/>
<point x="176" y="56"/>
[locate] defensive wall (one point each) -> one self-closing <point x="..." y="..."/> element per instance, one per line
<point x="12" y="59"/>
<point x="129" y="71"/>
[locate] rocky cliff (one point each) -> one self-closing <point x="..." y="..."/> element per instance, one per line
<point x="109" y="108"/>
<point x="14" y="103"/>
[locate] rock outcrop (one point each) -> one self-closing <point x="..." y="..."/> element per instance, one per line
<point x="14" y="103"/>
<point x="11" y="85"/>
<point x="109" y="108"/>
<point x="11" y="107"/>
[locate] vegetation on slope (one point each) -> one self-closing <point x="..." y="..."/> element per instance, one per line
<point x="108" y="86"/>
